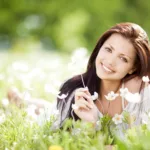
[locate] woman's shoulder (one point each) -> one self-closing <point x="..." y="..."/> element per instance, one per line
<point x="134" y="85"/>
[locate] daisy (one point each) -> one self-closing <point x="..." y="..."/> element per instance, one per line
<point x="145" y="79"/>
<point x="117" y="119"/>
<point x="95" y="96"/>
<point x="111" y="96"/>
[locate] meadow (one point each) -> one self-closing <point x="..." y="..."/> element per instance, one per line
<point x="38" y="76"/>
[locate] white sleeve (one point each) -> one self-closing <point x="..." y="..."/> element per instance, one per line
<point x="146" y="99"/>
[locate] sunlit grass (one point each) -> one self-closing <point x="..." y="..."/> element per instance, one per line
<point x="38" y="76"/>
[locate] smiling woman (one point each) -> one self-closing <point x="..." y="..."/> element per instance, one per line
<point x="113" y="56"/>
<point x="119" y="60"/>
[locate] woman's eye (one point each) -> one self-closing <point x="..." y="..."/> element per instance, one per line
<point x="124" y="59"/>
<point x="108" y="49"/>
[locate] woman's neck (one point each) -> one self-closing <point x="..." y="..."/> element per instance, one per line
<point x="108" y="86"/>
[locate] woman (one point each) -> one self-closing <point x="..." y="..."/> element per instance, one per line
<point x="120" y="58"/>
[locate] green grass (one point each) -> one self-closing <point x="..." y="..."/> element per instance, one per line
<point x="39" y="74"/>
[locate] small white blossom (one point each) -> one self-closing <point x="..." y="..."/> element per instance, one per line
<point x="123" y="92"/>
<point x="74" y="106"/>
<point x="133" y="98"/>
<point x="95" y="96"/>
<point x="145" y="79"/>
<point x="62" y="96"/>
<point x="111" y="96"/>
<point x="5" y="102"/>
<point x="117" y="119"/>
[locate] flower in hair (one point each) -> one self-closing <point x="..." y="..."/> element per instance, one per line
<point x="111" y="96"/>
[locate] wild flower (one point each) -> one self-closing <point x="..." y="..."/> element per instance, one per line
<point x="130" y="97"/>
<point x="145" y="79"/>
<point x="5" y="102"/>
<point x="62" y="96"/>
<point x="124" y="92"/>
<point x="117" y="119"/>
<point x="95" y="96"/>
<point x="133" y="98"/>
<point x="111" y="96"/>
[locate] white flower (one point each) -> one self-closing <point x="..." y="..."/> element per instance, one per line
<point x="95" y="96"/>
<point x="5" y="102"/>
<point x="133" y="98"/>
<point x="117" y="119"/>
<point x="130" y="97"/>
<point x="62" y="96"/>
<point x="111" y="96"/>
<point x="74" y="106"/>
<point x="123" y="92"/>
<point x="145" y="79"/>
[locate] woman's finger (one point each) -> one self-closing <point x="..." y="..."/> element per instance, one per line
<point x="82" y="106"/>
<point x="78" y="95"/>
<point x="82" y="89"/>
<point x="82" y="101"/>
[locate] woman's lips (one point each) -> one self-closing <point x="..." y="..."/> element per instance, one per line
<point x="106" y="68"/>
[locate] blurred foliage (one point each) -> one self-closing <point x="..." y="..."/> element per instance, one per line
<point x="64" y="24"/>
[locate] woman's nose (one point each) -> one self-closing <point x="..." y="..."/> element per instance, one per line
<point x="112" y="60"/>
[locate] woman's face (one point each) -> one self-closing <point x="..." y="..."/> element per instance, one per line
<point x="115" y="59"/>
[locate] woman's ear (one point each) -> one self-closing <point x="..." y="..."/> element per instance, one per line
<point x="132" y="70"/>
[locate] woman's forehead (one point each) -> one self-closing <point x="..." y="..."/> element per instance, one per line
<point x="120" y="44"/>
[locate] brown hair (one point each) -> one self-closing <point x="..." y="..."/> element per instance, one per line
<point x="138" y="37"/>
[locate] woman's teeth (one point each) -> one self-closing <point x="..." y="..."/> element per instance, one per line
<point x="107" y="69"/>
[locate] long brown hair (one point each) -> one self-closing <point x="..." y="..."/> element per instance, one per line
<point x="136" y="35"/>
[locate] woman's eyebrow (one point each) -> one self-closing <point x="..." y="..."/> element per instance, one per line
<point x="111" y="47"/>
<point x="125" y="55"/>
<point x="120" y="53"/>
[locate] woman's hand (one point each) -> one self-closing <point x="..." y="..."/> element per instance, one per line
<point x="86" y="109"/>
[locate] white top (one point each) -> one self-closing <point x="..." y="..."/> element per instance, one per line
<point x="136" y="109"/>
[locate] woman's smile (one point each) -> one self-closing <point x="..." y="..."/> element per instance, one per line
<point x="106" y="69"/>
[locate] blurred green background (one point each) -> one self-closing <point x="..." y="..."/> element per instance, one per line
<point x="64" y="25"/>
